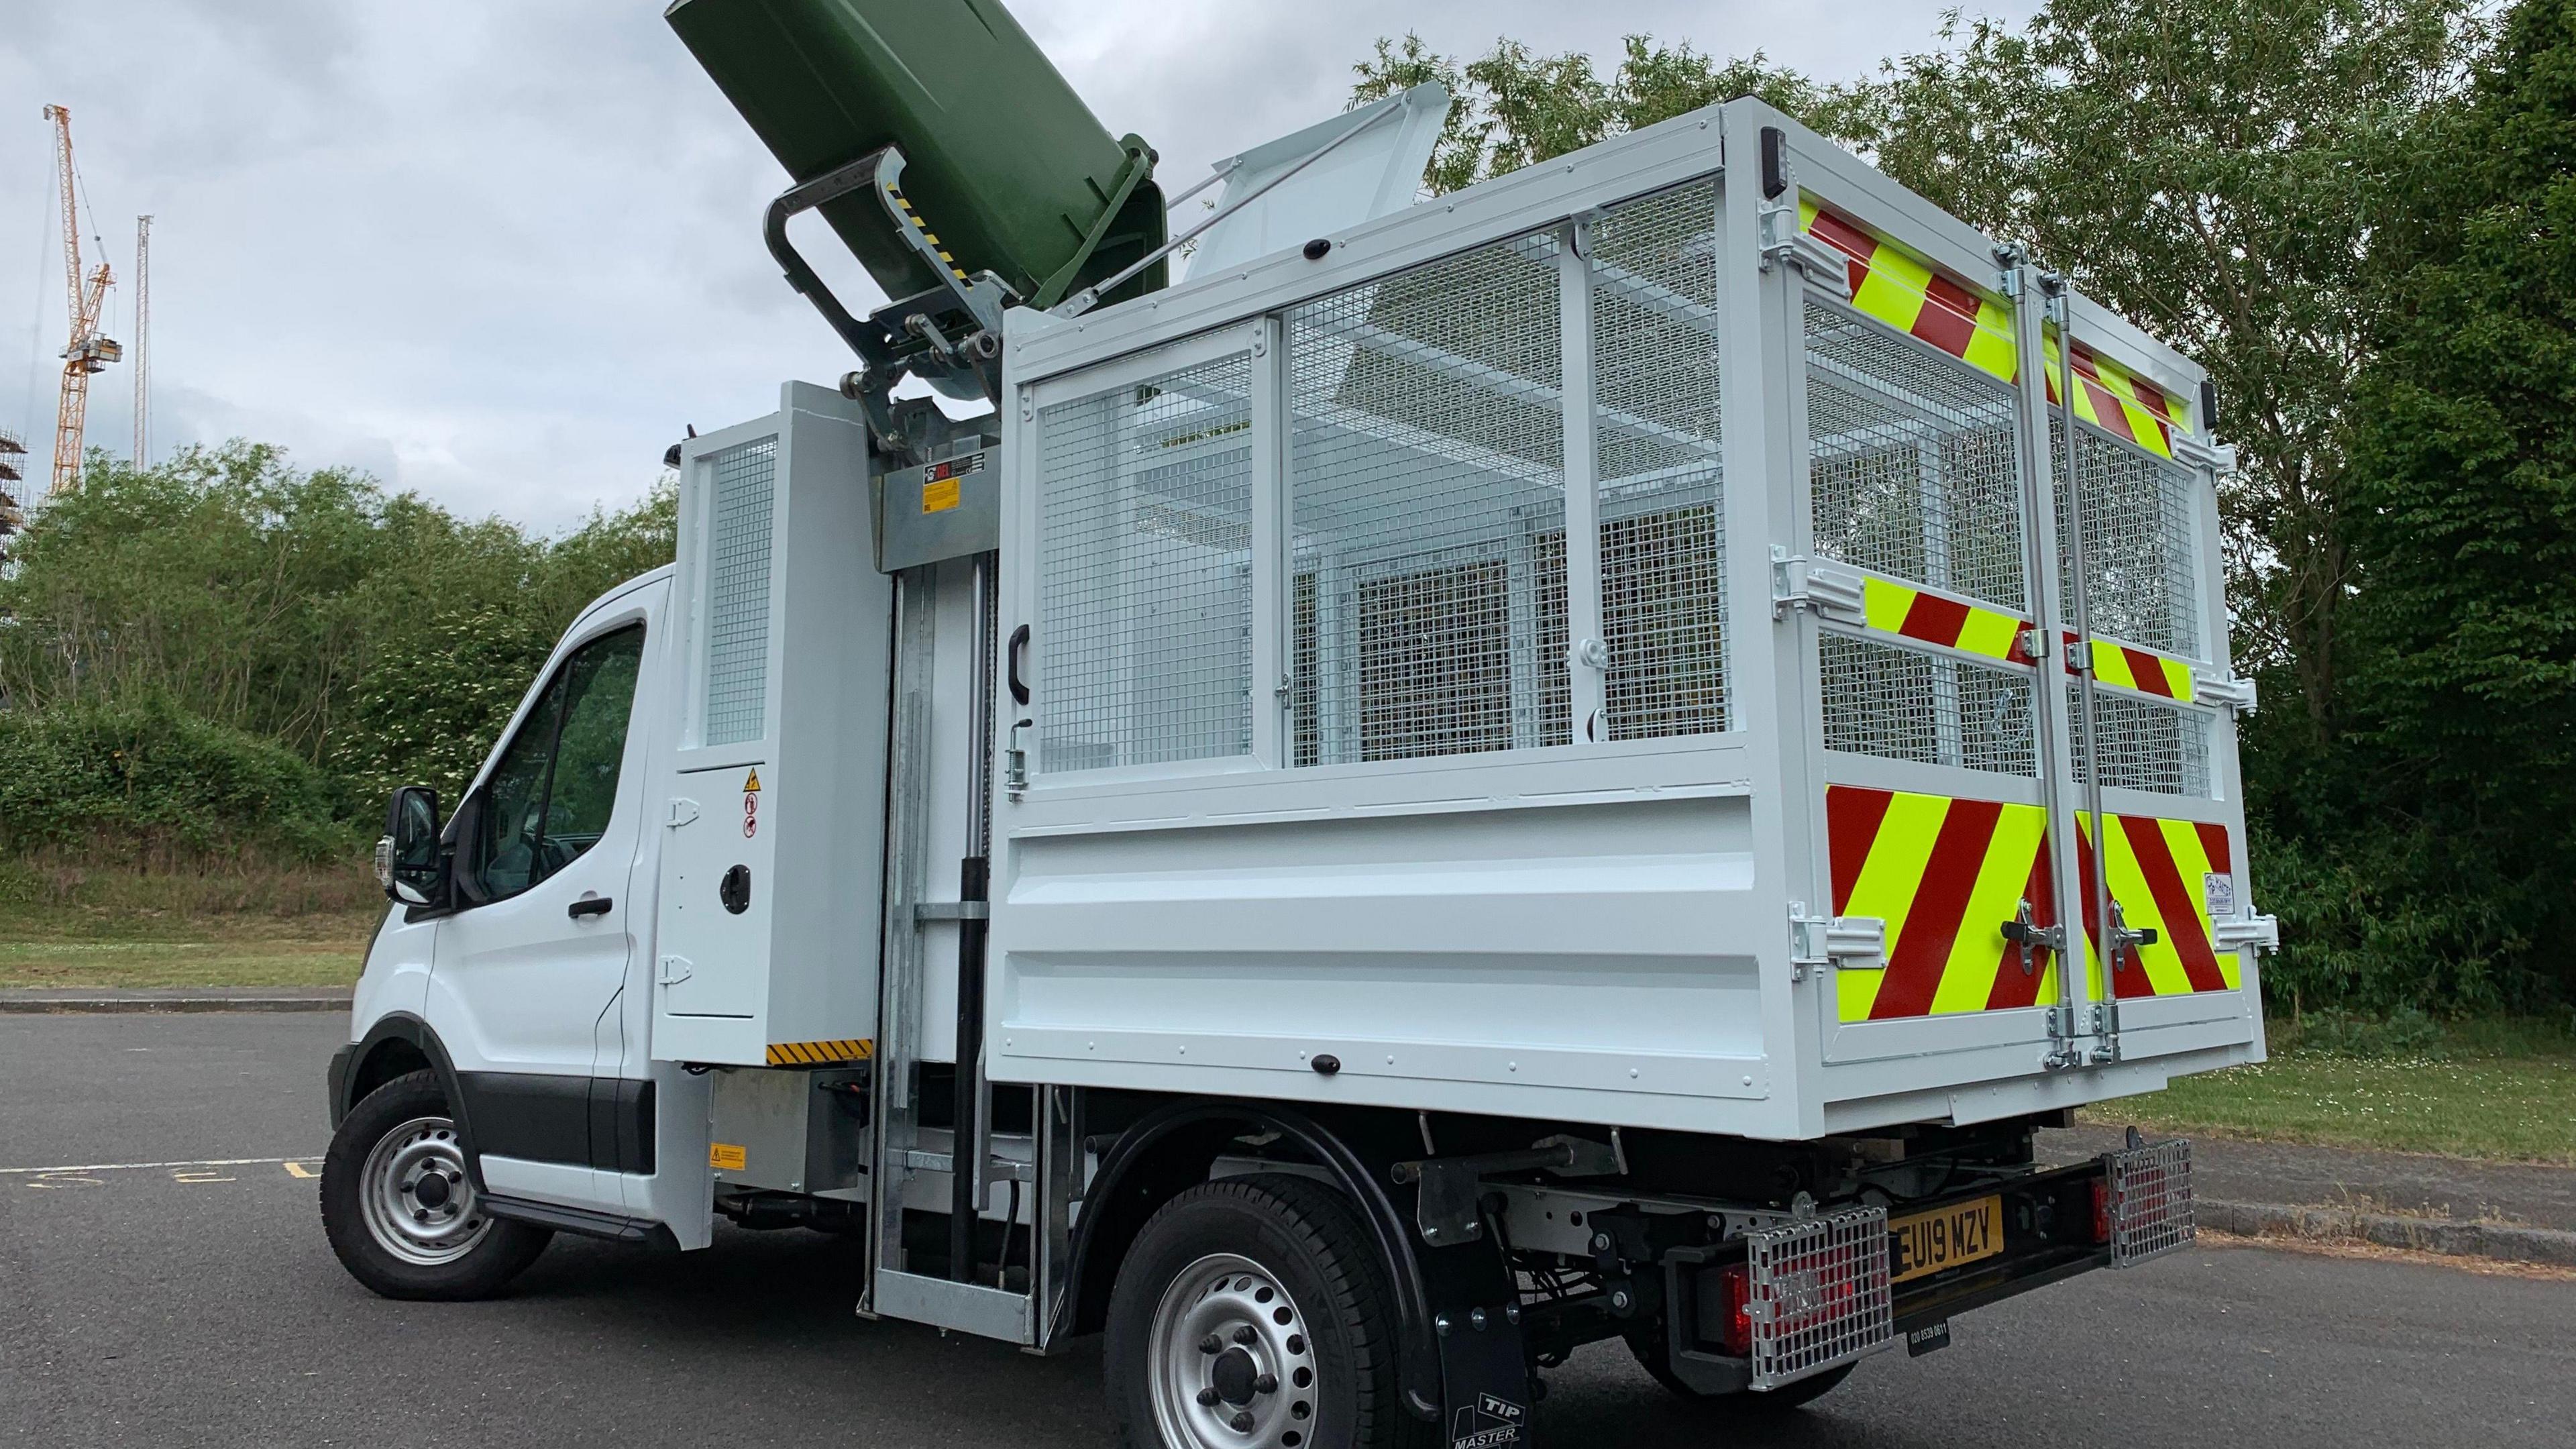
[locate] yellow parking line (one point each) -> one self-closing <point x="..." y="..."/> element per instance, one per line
<point x="153" y="1166"/>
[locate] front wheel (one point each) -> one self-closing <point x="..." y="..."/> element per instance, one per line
<point x="1252" y="1314"/>
<point x="400" y="1210"/>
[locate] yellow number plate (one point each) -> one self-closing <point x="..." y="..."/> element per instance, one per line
<point x="1946" y="1237"/>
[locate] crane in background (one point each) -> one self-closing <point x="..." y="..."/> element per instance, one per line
<point x="143" y="342"/>
<point x="88" y="352"/>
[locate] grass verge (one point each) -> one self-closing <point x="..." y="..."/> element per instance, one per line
<point x="71" y="926"/>
<point x="2499" y="1090"/>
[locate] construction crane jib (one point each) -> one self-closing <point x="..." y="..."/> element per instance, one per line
<point x="88" y="352"/>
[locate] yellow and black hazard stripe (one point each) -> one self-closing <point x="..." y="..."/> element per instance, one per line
<point x="819" y="1053"/>
<point x="1945" y="875"/>
<point x="895" y="193"/>
<point x="1894" y="286"/>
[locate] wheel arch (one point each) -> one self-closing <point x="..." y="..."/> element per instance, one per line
<point x="398" y="1044"/>
<point x="1171" y="1149"/>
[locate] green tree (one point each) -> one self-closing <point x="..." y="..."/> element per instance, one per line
<point x="373" y="635"/>
<point x="1513" y="106"/>
<point x="2462" y="659"/>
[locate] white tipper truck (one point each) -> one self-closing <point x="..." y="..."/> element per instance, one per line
<point x="1588" y="758"/>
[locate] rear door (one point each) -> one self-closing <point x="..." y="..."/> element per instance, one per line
<point x="1939" y="805"/>
<point x="2138" y="584"/>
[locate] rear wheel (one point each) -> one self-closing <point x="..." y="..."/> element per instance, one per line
<point x="1252" y="1314"/>
<point x="400" y="1210"/>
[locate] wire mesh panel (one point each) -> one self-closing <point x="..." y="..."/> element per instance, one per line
<point x="744" y="499"/>
<point x="1655" y="391"/>
<point x="1425" y="494"/>
<point x="1906" y="704"/>
<point x="1912" y="458"/>
<point x="1145" y="571"/>
<point x="2147" y="744"/>
<point x="2139" y="513"/>
<point x="2151" y="1202"/>
<point x="1820" y="1294"/>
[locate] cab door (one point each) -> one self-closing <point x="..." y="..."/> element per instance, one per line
<point x="529" y="969"/>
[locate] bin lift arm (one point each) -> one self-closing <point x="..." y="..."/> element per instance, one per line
<point x="904" y="338"/>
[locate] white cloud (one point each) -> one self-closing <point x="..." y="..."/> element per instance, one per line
<point x="501" y="253"/>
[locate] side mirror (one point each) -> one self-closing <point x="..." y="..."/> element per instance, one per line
<point x="408" y="861"/>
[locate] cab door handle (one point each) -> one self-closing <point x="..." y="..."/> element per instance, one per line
<point x="590" y="906"/>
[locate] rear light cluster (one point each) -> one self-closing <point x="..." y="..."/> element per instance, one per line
<point x="1734" y="1307"/>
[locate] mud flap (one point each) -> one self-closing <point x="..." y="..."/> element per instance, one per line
<point x="1484" y="1368"/>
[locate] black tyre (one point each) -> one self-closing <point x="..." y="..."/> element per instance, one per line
<point x="1253" y="1313"/>
<point x="1748" y="1404"/>
<point x="401" y="1212"/>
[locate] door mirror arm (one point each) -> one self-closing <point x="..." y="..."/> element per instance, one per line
<point x="412" y="862"/>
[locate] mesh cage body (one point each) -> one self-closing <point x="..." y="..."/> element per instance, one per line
<point x="2139" y="532"/>
<point x="1912" y="460"/>
<point x="2151" y="1207"/>
<point x="743" y="509"/>
<point x="1821" y="1294"/>
<point x="1931" y="709"/>
<point x="2146" y="744"/>
<point x="1655" y="395"/>
<point x="1426" y="498"/>
<point x="1145" y="570"/>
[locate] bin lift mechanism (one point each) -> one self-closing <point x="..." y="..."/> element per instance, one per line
<point x="951" y="335"/>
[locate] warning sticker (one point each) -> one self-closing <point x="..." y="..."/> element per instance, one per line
<point x="751" y="782"/>
<point x="726" y="1157"/>
<point x="751" y="805"/>
<point x="939" y="495"/>
<point x="2219" y="889"/>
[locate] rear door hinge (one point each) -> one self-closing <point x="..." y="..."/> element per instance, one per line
<point x="2223" y="690"/>
<point x="1855" y="942"/>
<point x="1834" y="594"/>
<point x="2248" y="933"/>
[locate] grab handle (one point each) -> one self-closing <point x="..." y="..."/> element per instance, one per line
<point x="1018" y="651"/>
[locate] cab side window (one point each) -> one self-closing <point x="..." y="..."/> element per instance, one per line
<point x="550" y="797"/>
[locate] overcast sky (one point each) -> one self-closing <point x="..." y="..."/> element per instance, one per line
<point x="499" y="253"/>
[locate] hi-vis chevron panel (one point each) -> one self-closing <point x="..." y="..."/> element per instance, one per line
<point x="819" y="1053"/>
<point x="1907" y="293"/>
<point x="1933" y="618"/>
<point x="2159" y="871"/>
<point x="1946" y="874"/>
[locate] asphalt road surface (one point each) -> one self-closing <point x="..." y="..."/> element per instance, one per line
<point x="190" y="1299"/>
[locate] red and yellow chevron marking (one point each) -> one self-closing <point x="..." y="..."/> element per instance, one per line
<point x="2141" y="670"/>
<point x="1909" y="294"/>
<point x="1936" y="619"/>
<point x="1917" y="613"/>
<point x="1944" y="875"/>
<point x="2158" y="874"/>
<point x="819" y="1053"/>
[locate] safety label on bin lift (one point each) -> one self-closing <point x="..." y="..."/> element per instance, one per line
<point x="2219" y="888"/>
<point x="939" y="482"/>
